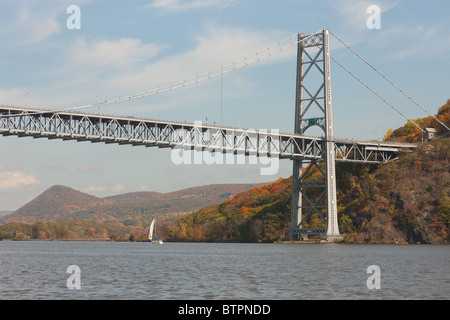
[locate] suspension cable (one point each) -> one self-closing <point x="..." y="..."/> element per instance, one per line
<point x="388" y="80"/>
<point x="377" y="94"/>
<point x="218" y="72"/>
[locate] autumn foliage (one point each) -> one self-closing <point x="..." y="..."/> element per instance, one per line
<point x="402" y="201"/>
<point x="410" y="133"/>
<point x="250" y="216"/>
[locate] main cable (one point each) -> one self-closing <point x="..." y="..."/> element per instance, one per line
<point x="377" y="94"/>
<point x="388" y="80"/>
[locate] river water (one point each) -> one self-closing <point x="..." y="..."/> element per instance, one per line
<point x="211" y="271"/>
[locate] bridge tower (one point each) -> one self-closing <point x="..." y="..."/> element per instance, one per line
<point x="314" y="181"/>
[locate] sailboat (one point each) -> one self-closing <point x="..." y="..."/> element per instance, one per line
<point x="150" y="233"/>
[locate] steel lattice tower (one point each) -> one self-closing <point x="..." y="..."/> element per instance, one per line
<point x="313" y="107"/>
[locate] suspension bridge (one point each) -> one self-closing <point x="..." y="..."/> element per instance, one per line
<point x="307" y="152"/>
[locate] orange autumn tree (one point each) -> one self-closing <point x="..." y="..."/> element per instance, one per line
<point x="443" y="116"/>
<point x="388" y="134"/>
<point x="410" y="133"/>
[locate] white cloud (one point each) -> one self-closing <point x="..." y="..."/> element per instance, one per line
<point x="87" y="62"/>
<point x="13" y="180"/>
<point x="145" y="187"/>
<point x="103" y="191"/>
<point x="419" y="42"/>
<point x="180" y="5"/>
<point x="217" y="46"/>
<point x="94" y="189"/>
<point x="118" y="187"/>
<point x="41" y="28"/>
<point x="123" y="51"/>
<point x="30" y="23"/>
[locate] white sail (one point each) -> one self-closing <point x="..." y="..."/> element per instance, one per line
<point x="150" y="232"/>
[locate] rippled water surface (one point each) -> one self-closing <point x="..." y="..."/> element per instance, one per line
<point x="109" y="270"/>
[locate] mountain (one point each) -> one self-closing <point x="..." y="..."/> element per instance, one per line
<point x="61" y="203"/>
<point x="54" y="203"/>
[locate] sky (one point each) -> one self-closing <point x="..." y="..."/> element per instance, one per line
<point x="54" y="57"/>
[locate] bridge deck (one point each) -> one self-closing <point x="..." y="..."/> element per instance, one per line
<point x="51" y="124"/>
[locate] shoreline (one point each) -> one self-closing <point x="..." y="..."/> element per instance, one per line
<point x="296" y="242"/>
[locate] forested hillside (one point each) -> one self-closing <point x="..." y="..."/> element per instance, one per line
<point x="259" y="214"/>
<point x="404" y="201"/>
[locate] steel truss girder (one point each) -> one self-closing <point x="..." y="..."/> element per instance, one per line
<point x="152" y="133"/>
<point x="108" y="129"/>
